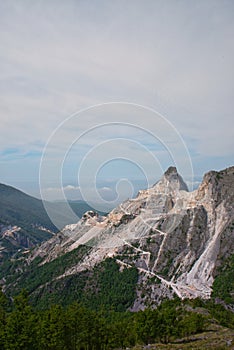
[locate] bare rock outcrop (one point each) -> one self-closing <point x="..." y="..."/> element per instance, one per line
<point x="175" y="238"/>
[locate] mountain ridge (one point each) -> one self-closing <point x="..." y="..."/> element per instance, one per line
<point x="174" y="238"/>
<point x="24" y="221"/>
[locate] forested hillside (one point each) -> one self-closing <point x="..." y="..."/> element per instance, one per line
<point x="78" y="327"/>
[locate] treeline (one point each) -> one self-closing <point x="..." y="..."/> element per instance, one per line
<point x="77" y="327"/>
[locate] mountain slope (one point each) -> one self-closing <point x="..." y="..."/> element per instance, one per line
<point x="174" y="238"/>
<point x="18" y="207"/>
<point x="24" y="221"/>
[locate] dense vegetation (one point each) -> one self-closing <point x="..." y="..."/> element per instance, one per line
<point x="223" y="286"/>
<point x="104" y="286"/>
<point x="89" y="310"/>
<point x="77" y="327"/>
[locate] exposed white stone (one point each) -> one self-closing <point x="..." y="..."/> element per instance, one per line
<point x="175" y="230"/>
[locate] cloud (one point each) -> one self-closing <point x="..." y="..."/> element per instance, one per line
<point x="63" y="188"/>
<point x="71" y="192"/>
<point x="58" y="57"/>
<point x="105" y="189"/>
<point x="67" y="192"/>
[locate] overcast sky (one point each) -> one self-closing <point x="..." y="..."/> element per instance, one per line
<point x="57" y="57"/>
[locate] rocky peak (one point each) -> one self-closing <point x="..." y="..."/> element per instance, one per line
<point x="171" y="171"/>
<point x="175" y="236"/>
<point x="217" y="186"/>
<point x="89" y="214"/>
<point x="171" y="181"/>
<point x="92" y="218"/>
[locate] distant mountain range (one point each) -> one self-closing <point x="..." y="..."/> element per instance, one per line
<point x="24" y="221"/>
<point x="166" y="242"/>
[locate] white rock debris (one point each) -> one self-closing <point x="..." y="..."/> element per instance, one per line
<point x="167" y="232"/>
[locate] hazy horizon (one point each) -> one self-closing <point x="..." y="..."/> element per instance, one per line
<point x="172" y="61"/>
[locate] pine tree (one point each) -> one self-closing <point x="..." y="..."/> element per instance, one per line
<point x="21" y="325"/>
<point x="3" y="309"/>
<point x="51" y="332"/>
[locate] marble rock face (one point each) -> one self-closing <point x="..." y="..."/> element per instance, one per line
<point x="174" y="237"/>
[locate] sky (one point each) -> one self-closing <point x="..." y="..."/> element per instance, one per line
<point x="105" y="95"/>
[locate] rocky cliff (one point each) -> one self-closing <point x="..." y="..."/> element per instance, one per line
<point x="176" y="239"/>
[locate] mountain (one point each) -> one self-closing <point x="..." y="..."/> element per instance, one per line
<point x="166" y="242"/>
<point x="24" y="221"/>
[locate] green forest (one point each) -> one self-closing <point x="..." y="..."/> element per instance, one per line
<point x="89" y="310"/>
<point x="22" y="327"/>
